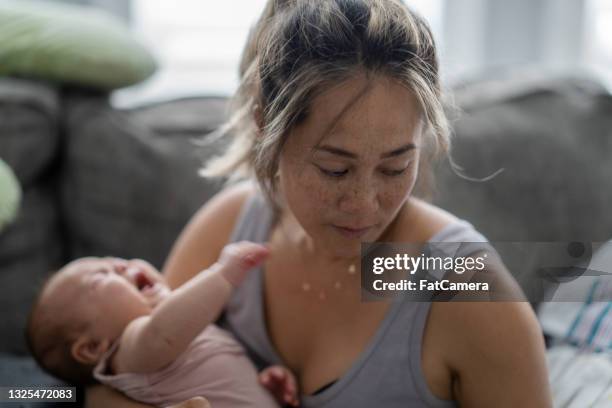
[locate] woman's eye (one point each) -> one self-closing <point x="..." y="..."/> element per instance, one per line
<point x="334" y="173"/>
<point x="392" y="173"/>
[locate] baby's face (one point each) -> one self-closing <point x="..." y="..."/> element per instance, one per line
<point x="109" y="292"/>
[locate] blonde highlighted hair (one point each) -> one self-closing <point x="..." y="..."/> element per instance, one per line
<point x="297" y="49"/>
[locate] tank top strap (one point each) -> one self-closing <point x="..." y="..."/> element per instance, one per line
<point x="457" y="239"/>
<point x="254" y="221"/>
<point x="244" y="313"/>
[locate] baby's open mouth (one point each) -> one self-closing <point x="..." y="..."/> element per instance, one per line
<point x="142" y="281"/>
<point x="151" y="288"/>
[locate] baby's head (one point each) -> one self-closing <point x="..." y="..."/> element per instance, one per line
<point x="83" y="308"/>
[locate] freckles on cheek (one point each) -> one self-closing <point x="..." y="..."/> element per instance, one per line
<point x="392" y="198"/>
<point x="391" y="201"/>
<point x="399" y="193"/>
<point x="309" y="190"/>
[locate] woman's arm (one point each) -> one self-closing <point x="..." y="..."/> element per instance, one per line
<point x="494" y="350"/>
<point x="499" y="355"/>
<point x="101" y="396"/>
<point x="202" y="240"/>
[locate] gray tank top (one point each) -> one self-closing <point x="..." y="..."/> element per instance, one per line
<point x="388" y="372"/>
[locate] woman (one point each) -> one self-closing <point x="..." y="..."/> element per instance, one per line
<point x="339" y="117"/>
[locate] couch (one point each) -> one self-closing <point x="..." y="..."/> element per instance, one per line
<point x="101" y="181"/>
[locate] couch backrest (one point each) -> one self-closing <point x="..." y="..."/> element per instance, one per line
<point x="33" y="245"/>
<point x="553" y="139"/>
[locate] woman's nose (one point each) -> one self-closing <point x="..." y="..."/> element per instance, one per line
<point x="360" y="200"/>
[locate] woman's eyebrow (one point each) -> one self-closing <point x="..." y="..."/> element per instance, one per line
<point x="345" y="153"/>
<point x="399" y="151"/>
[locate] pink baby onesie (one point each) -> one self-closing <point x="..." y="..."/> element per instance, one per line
<point x="214" y="366"/>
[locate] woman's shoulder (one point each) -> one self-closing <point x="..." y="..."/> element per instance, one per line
<point x="225" y="206"/>
<point x="420" y="220"/>
<point x="205" y="235"/>
<point x="217" y="217"/>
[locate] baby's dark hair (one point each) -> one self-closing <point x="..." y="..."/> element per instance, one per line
<point x="50" y="340"/>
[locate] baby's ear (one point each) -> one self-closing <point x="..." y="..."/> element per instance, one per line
<point x="89" y="351"/>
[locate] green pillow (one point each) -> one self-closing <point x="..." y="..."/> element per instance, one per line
<point x="10" y="195"/>
<point x="69" y="44"/>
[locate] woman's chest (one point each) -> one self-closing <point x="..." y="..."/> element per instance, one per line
<point x="321" y="331"/>
<point x="322" y="339"/>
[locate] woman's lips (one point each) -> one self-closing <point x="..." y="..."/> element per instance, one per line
<point x="352" y="232"/>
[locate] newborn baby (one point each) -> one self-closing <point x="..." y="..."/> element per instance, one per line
<point x="118" y="322"/>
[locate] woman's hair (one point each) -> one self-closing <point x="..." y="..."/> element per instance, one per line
<point x="297" y="50"/>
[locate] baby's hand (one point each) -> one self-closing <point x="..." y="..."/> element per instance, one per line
<point x="239" y="258"/>
<point x="281" y="383"/>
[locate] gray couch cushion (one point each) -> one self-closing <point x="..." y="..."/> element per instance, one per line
<point x="553" y="138"/>
<point x="28" y="127"/>
<point x="33" y="245"/>
<point x="130" y="178"/>
<point x="30" y="248"/>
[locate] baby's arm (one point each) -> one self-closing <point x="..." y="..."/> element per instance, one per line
<point x="152" y="342"/>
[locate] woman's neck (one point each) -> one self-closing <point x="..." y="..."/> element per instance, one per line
<point x="308" y="249"/>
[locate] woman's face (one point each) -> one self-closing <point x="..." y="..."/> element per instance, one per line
<point x="348" y="168"/>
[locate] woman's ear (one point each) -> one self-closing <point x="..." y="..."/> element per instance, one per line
<point x="87" y="350"/>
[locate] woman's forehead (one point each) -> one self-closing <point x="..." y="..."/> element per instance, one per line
<point x="377" y="112"/>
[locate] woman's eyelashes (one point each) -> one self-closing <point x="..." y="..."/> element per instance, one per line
<point x="333" y="173"/>
<point x="393" y="173"/>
